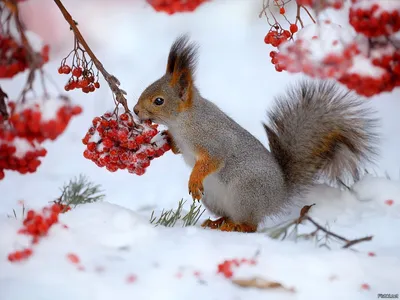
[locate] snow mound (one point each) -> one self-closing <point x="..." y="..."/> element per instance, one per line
<point x="108" y="224"/>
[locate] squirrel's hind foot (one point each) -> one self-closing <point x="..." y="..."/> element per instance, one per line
<point x="225" y="224"/>
<point x="214" y="224"/>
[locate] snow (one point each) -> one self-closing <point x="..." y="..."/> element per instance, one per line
<point x="114" y="239"/>
<point x="364" y="67"/>
<point x="113" y="243"/>
<point x="331" y="38"/>
<point x="48" y="107"/>
<point x="22" y="146"/>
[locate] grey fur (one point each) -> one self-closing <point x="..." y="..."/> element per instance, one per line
<point x="312" y="113"/>
<point x="248" y="173"/>
<point x="252" y="182"/>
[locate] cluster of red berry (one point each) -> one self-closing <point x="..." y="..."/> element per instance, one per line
<point x="383" y="69"/>
<point x="42" y="120"/>
<point x="377" y="22"/>
<point x="175" y="6"/>
<point x="14" y="57"/>
<point x="277" y="35"/>
<point x="20" y="255"/>
<point x="322" y="4"/>
<point x="305" y="55"/>
<point x="81" y="78"/>
<point x="368" y="63"/>
<point x="28" y="126"/>
<point x="374" y="19"/>
<point x="37" y="225"/>
<point x="225" y="268"/>
<point x="19" y="155"/>
<point x="120" y="142"/>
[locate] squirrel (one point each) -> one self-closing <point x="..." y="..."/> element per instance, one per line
<point x="315" y="130"/>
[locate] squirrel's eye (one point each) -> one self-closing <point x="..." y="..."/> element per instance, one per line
<point x="158" y="101"/>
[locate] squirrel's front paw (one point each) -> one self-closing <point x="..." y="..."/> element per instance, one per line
<point x="171" y="142"/>
<point x="196" y="188"/>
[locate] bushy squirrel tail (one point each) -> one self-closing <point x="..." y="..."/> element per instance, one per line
<point x="316" y="129"/>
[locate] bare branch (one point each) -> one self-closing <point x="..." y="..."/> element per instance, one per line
<point x="308" y="13"/>
<point x="278" y="231"/>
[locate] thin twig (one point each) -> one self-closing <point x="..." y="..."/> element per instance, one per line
<point x="308" y="13"/>
<point x="265" y="6"/>
<point x="348" y="243"/>
<point x="356" y="241"/>
<point x="111" y="80"/>
<point x="298" y="18"/>
<point x="283" y="229"/>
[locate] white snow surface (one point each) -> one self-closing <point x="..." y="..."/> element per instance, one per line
<point x="114" y="239"/>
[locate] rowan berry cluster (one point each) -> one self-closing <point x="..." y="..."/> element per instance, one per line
<point x="80" y="70"/>
<point x="226" y="267"/>
<point x="175" y="6"/>
<point x="14" y="57"/>
<point x="81" y="78"/>
<point x="29" y="125"/>
<point x="374" y="71"/>
<point x="39" y="121"/>
<point x="322" y="4"/>
<point x="306" y="54"/>
<point x="368" y="63"/>
<point x="19" y="155"/>
<point x="122" y="142"/>
<point x="375" y="19"/>
<point x="277" y="36"/>
<point x="37" y="225"/>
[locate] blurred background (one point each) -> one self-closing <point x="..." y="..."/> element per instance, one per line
<point x="132" y="41"/>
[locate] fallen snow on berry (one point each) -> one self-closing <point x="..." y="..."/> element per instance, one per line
<point x="121" y="141"/>
<point x="375" y="18"/>
<point x="320" y="50"/>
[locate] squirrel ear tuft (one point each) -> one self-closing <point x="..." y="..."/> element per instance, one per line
<point x="182" y="61"/>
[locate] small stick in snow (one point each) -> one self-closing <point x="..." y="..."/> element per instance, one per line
<point x="283" y="229"/>
<point x="348" y="243"/>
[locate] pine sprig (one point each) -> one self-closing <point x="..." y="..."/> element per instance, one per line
<point x="170" y="217"/>
<point x="80" y="190"/>
<point x="193" y="216"/>
<point x="14" y="215"/>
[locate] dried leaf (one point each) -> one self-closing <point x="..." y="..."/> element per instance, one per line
<point x="305" y="210"/>
<point x="260" y="283"/>
<point x="3" y="105"/>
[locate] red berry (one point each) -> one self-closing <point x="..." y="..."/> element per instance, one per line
<point x="77" y="72"/>
<point x="73" y="258"/>
<point x="293" y="28"/>
<point x="66" y="69"/>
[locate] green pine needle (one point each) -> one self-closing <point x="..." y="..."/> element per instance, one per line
<point x="169" y="218"/>
<point x="14" y="215"/>
<point x="80" y="190"/>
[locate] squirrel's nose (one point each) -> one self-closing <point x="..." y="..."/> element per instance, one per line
<point x="136" y="110"/>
